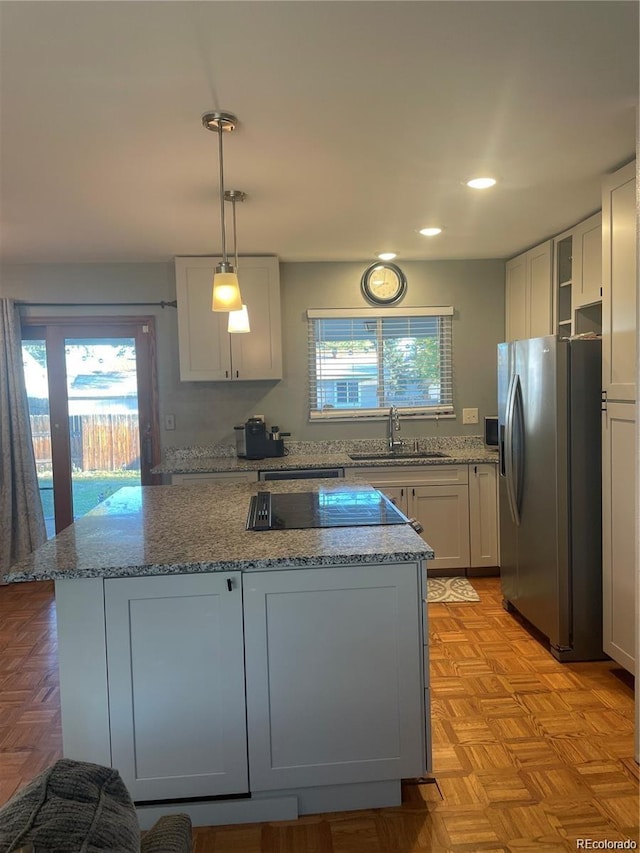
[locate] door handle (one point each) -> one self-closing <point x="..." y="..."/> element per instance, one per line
<point x="510" y="474"/>
<point x="147" y="449"/>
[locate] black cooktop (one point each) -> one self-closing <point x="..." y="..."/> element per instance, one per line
<point x="301" y="510"/>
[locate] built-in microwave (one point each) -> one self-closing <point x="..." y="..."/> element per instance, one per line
<point x="491" y="432"/>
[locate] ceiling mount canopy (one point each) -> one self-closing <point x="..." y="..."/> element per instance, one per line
<point x="226" y="290"/>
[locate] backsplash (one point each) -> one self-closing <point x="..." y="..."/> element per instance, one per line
<point x="297" y="448"/>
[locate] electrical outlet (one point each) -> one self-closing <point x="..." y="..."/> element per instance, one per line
<point x="169" y="421"/>
<point x="469" y="416"/>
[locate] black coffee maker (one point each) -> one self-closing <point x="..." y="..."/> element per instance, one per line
<point x="254" y="442"/>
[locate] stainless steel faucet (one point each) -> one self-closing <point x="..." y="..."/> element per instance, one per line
<point x="394" y="426"/>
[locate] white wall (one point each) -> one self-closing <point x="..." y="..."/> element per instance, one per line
<point x="205" y="412"/>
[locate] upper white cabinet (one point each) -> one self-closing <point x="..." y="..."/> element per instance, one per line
<point x="207" y="351"/>
<point x="578" y="278"/>
<point x="619" y="266"/>
<point x="587" y="262"/>
<point x="528" y="294"/>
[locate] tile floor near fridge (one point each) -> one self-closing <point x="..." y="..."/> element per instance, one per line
<point x="530" y="755"/>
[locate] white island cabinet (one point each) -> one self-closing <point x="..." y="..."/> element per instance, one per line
<point x="312" y="695"/>
<point x="176" y="684"/>
<point x="334" y="679"/>
<point x="240" y="675"/>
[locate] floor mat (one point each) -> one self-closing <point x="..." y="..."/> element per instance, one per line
<point x="445" y="590"/>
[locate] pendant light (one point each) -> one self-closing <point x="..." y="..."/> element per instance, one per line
<point x="226" y="290"/>
<point x="238" y="320"/>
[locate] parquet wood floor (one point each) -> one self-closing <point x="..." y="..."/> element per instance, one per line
<point x="530" y="755"/>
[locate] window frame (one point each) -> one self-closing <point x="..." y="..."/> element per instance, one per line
<point x="445" y="410"/>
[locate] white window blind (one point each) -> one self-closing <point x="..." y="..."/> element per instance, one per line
<point x="362" y="361"/>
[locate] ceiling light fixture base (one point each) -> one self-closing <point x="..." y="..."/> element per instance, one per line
<point x="218" y="121"/>
<point x="234" y="195"/>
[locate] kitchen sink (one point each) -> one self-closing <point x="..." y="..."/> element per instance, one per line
<point x="365" y="457"/>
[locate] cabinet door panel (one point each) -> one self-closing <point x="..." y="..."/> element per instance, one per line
<point x="258" y="354"/>
<point x="619" y="266"/>
<point x="334" y="676"/>
<point x="587" y="287"/>
<point x="203" y="341"/>
<point x="443" y="511"/>
<point x="176" y="685"/>
<point x="516" y="299"/>
<point x="528" y="294"/>
<point x="540" y="291"/>
<point x="483" y="515"/>
<point x="618" y="533"/>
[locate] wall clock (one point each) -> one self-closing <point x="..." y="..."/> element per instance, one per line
<point x="383" y="284"/>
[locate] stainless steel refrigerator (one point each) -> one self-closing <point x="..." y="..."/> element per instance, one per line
<point x="549" y="430"/>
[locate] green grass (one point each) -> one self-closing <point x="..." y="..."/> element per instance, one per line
<point x="89" y="489"/>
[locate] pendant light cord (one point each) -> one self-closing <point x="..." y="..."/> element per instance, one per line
<point x="235" y="241"/>
<point x="222" y="223"/>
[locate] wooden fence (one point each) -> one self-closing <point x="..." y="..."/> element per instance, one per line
<point x="98" y="442"/>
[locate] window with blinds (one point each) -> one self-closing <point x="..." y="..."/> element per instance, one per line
<point x="362" y="361"/>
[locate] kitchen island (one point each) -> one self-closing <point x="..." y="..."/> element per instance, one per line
<point x="240" y="675"/>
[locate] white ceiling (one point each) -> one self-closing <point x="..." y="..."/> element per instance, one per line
<point x="358" y="124"/>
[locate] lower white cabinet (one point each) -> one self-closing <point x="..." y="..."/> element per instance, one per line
<point x="222" y="477"/>
<point x="457" y="505"/>
<point x="483" y="515"/>
<point x="443" y="511"/>
<point x="175" y="664"/>
<point x="229" y="683"/>
<point x="619" y="533"/>
<point x="334" y="678"/>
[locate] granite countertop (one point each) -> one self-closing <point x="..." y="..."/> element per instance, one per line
<point x="330" y="454"/>
<point x="160" y="530"/>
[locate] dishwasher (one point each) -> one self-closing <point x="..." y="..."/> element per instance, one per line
<point x="301" y="474"/>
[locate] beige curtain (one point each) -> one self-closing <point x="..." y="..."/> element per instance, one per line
<point x="22" y="526"/>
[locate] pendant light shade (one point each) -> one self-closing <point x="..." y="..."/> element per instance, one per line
<point x="226" y="289"/>
<point x="239" y="321"/>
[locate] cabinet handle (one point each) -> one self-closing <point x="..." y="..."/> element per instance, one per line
<point x="475" y="469"/>
<point x="413" y="493"/>
<point x="237" y="374"/>
<point x="229" y="584"/>
<point x="226" y="374"/>
<point x="401" y="493"/>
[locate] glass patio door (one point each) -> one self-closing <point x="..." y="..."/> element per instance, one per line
<point x="93" y="409"/>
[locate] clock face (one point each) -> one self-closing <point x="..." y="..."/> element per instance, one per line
<point x="383" y="284"/>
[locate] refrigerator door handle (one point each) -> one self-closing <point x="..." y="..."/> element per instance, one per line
<point x="510" y="472"/>
<point x="518" y="427"/>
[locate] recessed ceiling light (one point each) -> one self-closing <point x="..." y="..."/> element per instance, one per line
<point x="481" y="183"/>
<point x="387" y="256"/>
<point x="430" y="232"/>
